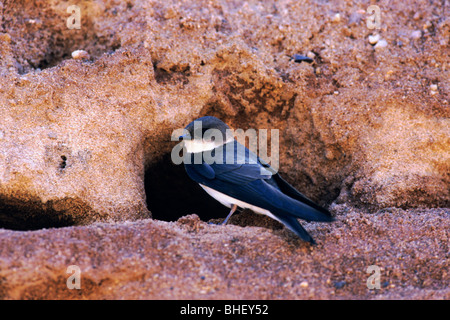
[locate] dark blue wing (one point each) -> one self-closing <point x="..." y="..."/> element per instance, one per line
<point x="290" y="191"/>
<point x="240" y="165"/>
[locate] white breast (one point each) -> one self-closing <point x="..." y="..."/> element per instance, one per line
<point x="229" y="201"/>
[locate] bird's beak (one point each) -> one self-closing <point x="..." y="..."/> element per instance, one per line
<point x="184" y="135"/>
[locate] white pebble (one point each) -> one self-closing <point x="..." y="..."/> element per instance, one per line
<point x="373" y="39"/>
<point x="381" y="44"/>
<point x="310" y="55"/>
<point x="337" y="17"/>
<point x="80" y="54"/>
<point x="433" y="89"/>
<point x="304" y="284"/>
<point x="417" y="34"/>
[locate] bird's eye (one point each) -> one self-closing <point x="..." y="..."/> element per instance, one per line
<point x="209" y="139"/>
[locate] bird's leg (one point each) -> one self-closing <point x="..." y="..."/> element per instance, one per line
<point x="233" y="209"/>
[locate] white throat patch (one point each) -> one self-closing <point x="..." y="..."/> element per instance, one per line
<point x="200" y="145"/>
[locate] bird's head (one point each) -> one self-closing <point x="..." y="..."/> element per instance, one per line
<point x="206" y="133"/>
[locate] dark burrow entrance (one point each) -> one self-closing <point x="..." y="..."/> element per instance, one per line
<point x="26" y="216"/>
<point x="171" y="194"/>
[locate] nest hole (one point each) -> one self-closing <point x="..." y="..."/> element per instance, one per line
<point x="27" y="216"/>
<point x="171" y="194"/>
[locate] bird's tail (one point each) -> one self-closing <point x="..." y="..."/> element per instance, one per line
<point x="300" y="205"/>
<point x="293" y="225"/>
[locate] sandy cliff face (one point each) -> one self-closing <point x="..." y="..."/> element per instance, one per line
<point x="364" y="130"/>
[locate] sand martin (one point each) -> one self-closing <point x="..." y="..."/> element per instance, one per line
<point x="236" y="177"/>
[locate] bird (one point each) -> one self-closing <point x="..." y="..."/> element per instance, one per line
<point x="237" y="178"/>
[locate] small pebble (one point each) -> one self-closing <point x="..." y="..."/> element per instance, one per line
<point x="337" y="17"/>
<point x="373" y="39"/>
<point x="417" y="34"/>
<point x="339" y="284"/>
<point x="427" y="25"/>
<point x="299" y="58"/>
<point x="381" y="44"/>
<point x="434" y="89"/>
<point x="80" y="54"/>
<point x="310" y="55"/>
<point x="388" y="74"/>
<point x="329" y="154"/>
<point x="304" y="284"/>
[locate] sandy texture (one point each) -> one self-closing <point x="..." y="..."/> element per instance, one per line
<point x="364" y="130"/>
<point x="190" y="259"/>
